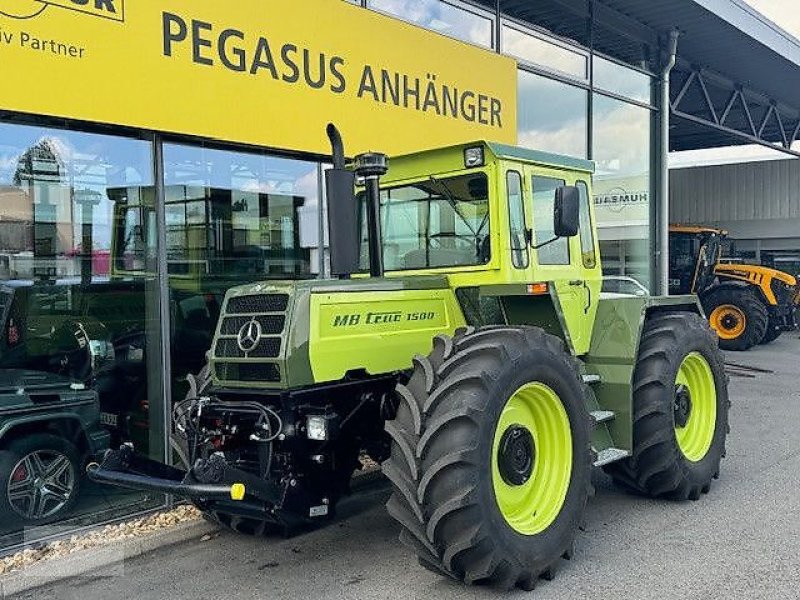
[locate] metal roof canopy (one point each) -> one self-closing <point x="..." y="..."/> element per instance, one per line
<point x="738" y="75"/>
<point x="737" y="80"/>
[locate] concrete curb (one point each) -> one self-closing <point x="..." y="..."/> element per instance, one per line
<point x="111" y="558"/>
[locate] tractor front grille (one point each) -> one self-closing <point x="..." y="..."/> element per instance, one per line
<point x="250" y="339"/>
<point x="260" y="303"/>
<point x="248" y="372"/>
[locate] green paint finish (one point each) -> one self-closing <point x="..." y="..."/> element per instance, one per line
<point x="531" y="507"/>
<point x="697" y="434"/>
<point x="377" y="331"/>
<point x="614" y="350"/>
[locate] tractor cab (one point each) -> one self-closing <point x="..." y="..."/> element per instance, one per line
<point x="693" y="255"/>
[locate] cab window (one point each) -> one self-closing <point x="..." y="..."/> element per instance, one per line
<point x="433" y="223"/>
<point x="516" y="217"/>
<point x="544" y="194"/>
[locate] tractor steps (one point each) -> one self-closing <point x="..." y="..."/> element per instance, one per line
<point x="610" y="455"/>
<point x="591" y="379"/>
<point x="602" y="416"/>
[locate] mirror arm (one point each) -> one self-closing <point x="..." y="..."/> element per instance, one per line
<point x="547" y="243"/>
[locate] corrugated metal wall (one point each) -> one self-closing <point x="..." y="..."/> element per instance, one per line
<point x="757" y="199"/>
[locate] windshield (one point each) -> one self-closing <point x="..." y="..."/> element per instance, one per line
<point x="434" y="223"/>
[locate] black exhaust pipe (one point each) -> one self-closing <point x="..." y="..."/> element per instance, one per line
<point x="337" y="147"/>
<point x="343" y="222"/>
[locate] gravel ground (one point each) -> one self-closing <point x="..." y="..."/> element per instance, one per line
<point x="104" y="536"/>
<point x="740" y="541"/>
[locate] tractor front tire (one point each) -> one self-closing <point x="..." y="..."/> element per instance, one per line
<point x="738" y="316"/>
<point x="680" y="405"/>
<point x="491" y="458"/>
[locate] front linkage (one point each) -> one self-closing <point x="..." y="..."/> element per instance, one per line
<point x="255" y="460"/>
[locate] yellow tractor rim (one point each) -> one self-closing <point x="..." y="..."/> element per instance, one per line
<point x="728" y="321"/>
<point x="695" y="407"/>
<point x="532" y="458"/>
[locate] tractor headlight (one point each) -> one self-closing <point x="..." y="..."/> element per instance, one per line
<point x="473" y="157"/>
<point x="317" y="428"/>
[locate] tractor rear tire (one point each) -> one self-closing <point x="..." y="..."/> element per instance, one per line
<point x="491" y="457"/>
<point x="680" y="406"/>
<point x="738" y="316"/>
<point x="774" y="331"/>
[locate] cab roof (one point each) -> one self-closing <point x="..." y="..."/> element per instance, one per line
<point x="451" y="158"/>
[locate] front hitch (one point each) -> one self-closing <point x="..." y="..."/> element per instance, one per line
<point x="125" y="468"/>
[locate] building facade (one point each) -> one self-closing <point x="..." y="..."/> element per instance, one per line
<point x="150" y="158"/>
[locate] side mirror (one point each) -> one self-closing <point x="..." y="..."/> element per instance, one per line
<point x="566" y="217"/>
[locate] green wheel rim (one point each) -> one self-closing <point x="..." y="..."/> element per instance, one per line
<point x="695" y="437"/>
<point x="531" y="507"/>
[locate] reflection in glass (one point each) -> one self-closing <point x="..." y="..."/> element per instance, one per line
<point x="552" y="116"/>
<point x="440" y="17"/>
<point x="546" y="54"/>
<point x="622" y="186"/>
<point x="232" y="218"/>
<point x="621" y="80"/>
<point x="78" y="332"/>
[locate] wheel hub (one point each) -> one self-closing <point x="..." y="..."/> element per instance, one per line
<point x="516" y="455"/>
<point x="683" y="405"/>
<point x="730" y="321"/>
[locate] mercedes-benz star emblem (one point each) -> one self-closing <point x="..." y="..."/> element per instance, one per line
<point x="249" y="335"/>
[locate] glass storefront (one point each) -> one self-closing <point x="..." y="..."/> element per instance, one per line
<point x="443" y="17"/>
<point x="552" y="115"/>
<point x="231" y="218"/>
<point x="622" y="186"/>
<point x="80" y="332"/>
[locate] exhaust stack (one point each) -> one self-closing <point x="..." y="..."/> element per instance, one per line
<point x="343" y="222"/>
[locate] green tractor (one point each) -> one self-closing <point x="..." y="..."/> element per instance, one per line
<point x="466" y="346"/>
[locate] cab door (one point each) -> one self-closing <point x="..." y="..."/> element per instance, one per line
<point x="560" y="261"/>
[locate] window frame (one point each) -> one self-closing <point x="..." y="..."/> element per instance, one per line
<point x="586" y="200"/>
<point x="517" y="253"/>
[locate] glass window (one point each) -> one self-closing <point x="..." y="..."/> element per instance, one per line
<point x="434" y="223"/>
<point x="622" y="186"/>
<point x="77" y="328"/>
<point x="516" y="217"/>
<point x="586" y="229"/>
<point x="544" y="53"/>
<point x="621" y="80"/>
<point x="552" y="116"/>
<point x="555" y="252"/>
<point x="232" y="218"/>
<point x="441" y="17"/>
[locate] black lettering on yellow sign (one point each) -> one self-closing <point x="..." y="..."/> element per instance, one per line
<point x="288" y="63"/>
<point x="28" y="9"/>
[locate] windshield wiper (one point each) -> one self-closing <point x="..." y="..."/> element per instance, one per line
<point x="453" y="204"/>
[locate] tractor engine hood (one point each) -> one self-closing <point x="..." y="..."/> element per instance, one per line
<point x="290" y="334"/>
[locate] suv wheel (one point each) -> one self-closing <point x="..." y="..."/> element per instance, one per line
<point x="39" y="479"/>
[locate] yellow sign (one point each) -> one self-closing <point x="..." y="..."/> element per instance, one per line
<point x="259" y="72"/>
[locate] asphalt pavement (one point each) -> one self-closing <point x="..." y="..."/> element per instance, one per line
<point x="740" y="541"/>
